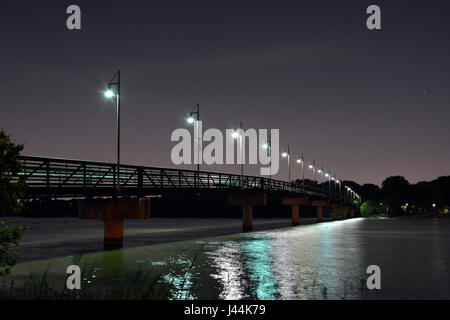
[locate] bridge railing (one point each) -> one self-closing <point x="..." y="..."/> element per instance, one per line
<point x="66" y="177"/>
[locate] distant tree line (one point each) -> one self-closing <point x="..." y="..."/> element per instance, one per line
<point x="396" y="196"/>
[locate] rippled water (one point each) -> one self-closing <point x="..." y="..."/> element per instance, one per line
<point x="321" y="261"/>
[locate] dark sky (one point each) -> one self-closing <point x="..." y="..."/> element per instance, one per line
<point x="367" y="104"/>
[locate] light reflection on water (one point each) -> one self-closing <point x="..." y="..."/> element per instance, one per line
<point x="225" y="259"/>
<point x="322" y="261"/>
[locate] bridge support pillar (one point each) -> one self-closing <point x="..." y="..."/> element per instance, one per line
<point x="295" y="214"/>
<point x="113" y="237"/>
<point x="335" y="208"/>
<point x="319" y="204"/>
<point x="247" y="218"/>
<point x="319" y="213"/>
<point x="295" y="204"/>
<point x="113" y="212"/>
<point x="247" y="201"/>
<point x="346" y="210"/>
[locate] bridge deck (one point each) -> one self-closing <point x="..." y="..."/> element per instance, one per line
<point x="59" y="178"/>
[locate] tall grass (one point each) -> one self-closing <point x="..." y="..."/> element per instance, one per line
<point x="135" y="285"/>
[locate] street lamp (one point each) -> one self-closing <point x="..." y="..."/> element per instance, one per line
<point x="338" y="181"/>
<point x="301" y="162"/>
<point x="347" y="194"/>
<point x="239" y="135"/>
<point x="313" y="167"/>
<point x="266" y="146"/>
<point x="334" y="183"/>
<point x="109" y="93"/>
<point x="322" y="173"/>
<point x="195" y="121"/>
<point x="286" y="154"/>
<point x="328" y="175"/>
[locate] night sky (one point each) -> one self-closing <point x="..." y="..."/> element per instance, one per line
<point x="365" y="104"/>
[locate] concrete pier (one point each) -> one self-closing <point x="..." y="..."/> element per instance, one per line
<point x="295" y="203"/>
<point x="335" y="208"/>
<point x="113" y="234"/>
<point x="346" y="210"/>
<point x="113" y="212"/>
<point x="319" y="204"/>
<point x="247" y="201"/>
<point x="247" y="218"/>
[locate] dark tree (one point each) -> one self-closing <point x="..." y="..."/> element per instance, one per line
<point x="11" y="187"/>
<point x="370" y="192"/>
<point x="395" y="192"/>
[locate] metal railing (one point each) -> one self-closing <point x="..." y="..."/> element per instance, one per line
<point x="54" y="177"/>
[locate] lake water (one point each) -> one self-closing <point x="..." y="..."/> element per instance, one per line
<point x="319" y="261"/>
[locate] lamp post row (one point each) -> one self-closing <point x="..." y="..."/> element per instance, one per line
<point x="114" y="90"/>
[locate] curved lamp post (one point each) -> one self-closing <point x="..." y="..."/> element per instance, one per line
<point x="301" y="162"/>
<point x="114" y="90"/>
<point x="286" y="154"/>
<point x="312" y="166"/>
<point x="195" y="122"/>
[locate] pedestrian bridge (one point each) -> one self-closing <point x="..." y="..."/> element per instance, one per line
<point x="63" y="178"/>
<point x="113" y="194"/>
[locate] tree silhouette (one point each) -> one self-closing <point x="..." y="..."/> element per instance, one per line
<point x="395" y="192"/>
<point x="10" y="190"/>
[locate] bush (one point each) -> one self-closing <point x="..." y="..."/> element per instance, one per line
<point x="369" y="208"/>
<point x="11" y="188"/>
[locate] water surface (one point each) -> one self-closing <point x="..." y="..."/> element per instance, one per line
<point x="320" y="261"/>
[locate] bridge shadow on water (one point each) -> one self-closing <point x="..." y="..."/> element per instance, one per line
<point x="55" y="231"/>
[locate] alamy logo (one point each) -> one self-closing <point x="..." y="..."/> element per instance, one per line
<point x="374" y="280"/>
<point x="74" y="280"/>
<point x="73" y="22"/>
<point x="262" y="144"/>
<point x="374" y="20"/>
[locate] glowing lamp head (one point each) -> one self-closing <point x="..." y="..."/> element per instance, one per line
<point x="319" y="171"/>
<point x="109" y="93"/>
<point x="299" y="161"/>
<point x="190" y="120"/>
<point x="327" y="175"/>
<point x="235" y="135"/>
<point x="265" y="146"/>
<point x="434" y="205"/>
<point x="311" y="166"/>
<point x="284" y="154"/>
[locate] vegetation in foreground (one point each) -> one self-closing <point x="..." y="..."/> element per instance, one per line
<point x="119" y="285"/>
<point x="11" y="187"/>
